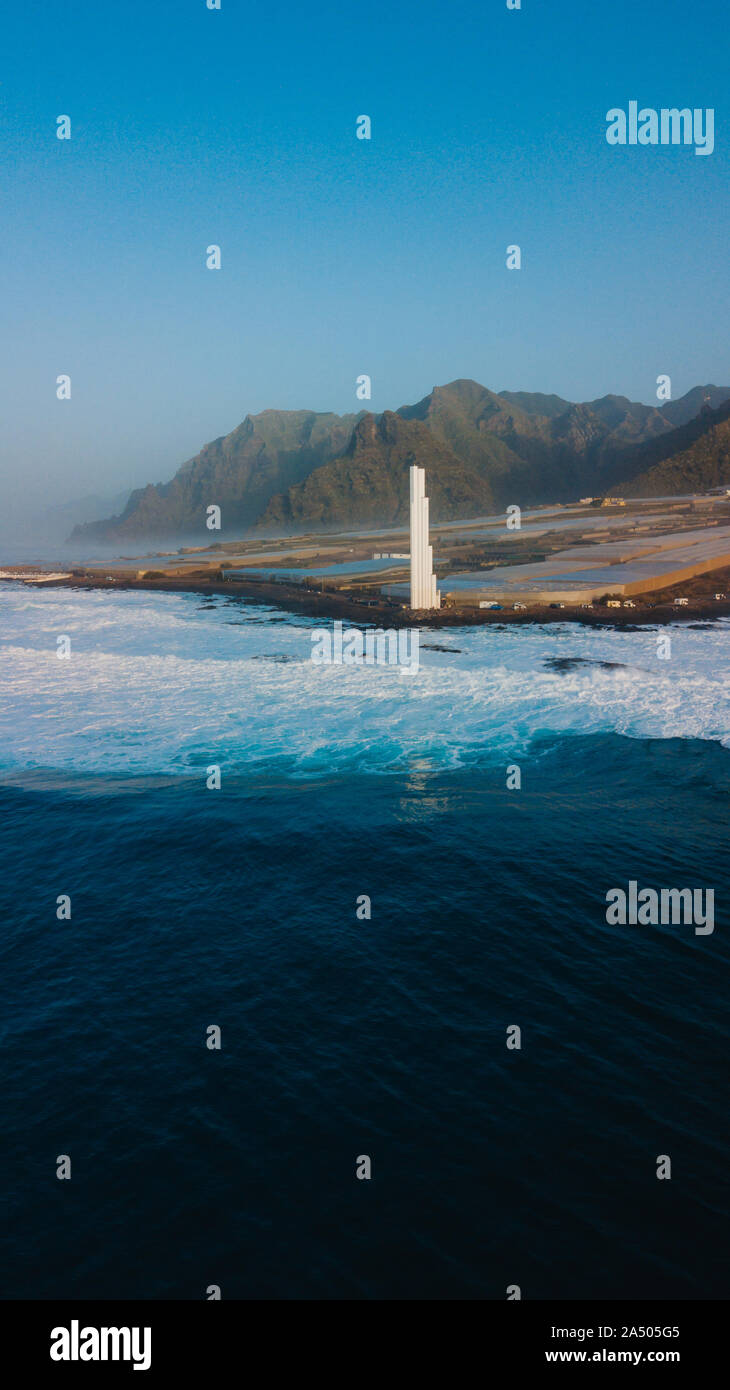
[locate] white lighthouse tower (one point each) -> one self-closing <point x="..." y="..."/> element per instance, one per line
<point x="424" y="593"/>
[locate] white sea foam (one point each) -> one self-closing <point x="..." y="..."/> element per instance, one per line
<point x="171" y="683"/>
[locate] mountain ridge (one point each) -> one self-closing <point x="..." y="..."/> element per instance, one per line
<point x="482" y="450"/>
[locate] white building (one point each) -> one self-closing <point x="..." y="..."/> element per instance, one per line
<point x="424" y="593"/>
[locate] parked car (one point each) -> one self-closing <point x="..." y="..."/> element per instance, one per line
<point x="681" y="602"/>
<point x="613" y="603"/>
<point x="720" y="595"/>
<point x="557" y="605"/>
<point x="629" y="603"/>
<point x="519" y="605"/>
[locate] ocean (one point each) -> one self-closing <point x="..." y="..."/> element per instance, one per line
<point x="344" y="1035"/>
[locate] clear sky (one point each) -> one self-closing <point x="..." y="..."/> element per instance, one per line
<point x="341" y="256"/>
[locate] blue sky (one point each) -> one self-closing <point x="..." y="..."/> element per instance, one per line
<point x="341" y="256"/>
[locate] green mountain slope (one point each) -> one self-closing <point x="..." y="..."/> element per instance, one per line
<point x="370" y="481"/>
<point x="693" y="458"/>
<point x="239" y="472"/>
<point x="482" y="450"/>
<point x="535" y="403"/>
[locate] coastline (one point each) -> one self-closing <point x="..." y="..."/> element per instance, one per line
<point x="333" y="605"/>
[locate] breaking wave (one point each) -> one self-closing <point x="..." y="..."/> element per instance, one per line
<point x="170" y="683"/>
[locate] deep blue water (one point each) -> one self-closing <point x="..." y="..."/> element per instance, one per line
<point x="384" y="1037"/>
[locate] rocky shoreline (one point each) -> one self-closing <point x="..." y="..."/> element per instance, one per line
<point x="331" y="605"/>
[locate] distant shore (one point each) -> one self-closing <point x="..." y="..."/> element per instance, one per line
<point x="332" y="605"/>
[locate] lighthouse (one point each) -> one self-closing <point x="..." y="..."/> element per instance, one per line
<point x="424" y="593"/>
